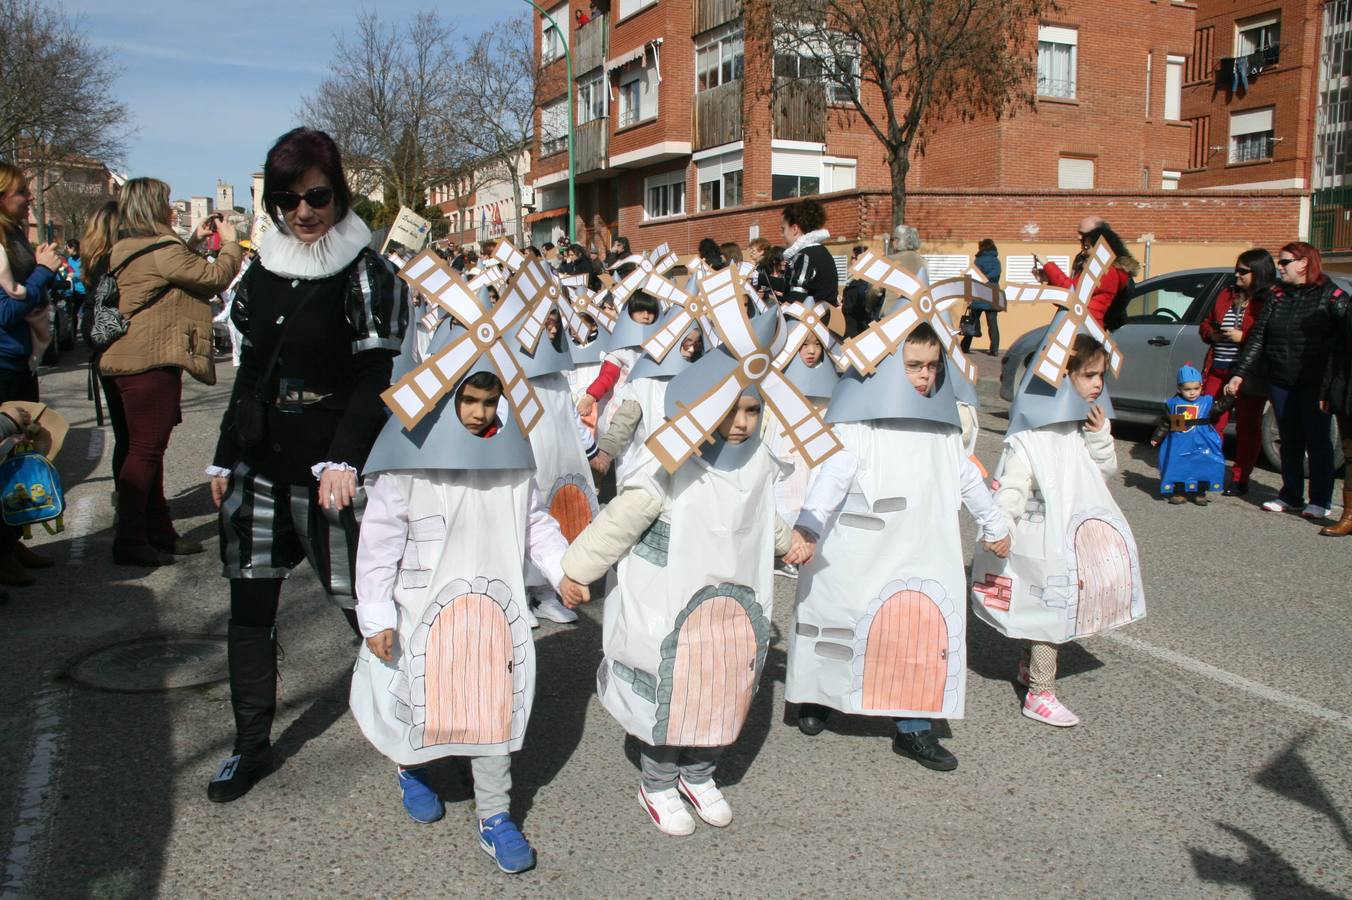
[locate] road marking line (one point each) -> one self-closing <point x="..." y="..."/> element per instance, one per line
<point x="37" y="792"/>
<point x="1231" y="680"/>
<point x="79" y="526"/>
<point x="95" y="448"/>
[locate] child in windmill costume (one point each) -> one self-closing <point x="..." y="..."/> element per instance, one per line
<point x="1074" y="569"/>
<point x="453" y="511"/>
<point x="880" y="624"/>
<point x="694" y="532"/>
<point x="1191" y="461"/>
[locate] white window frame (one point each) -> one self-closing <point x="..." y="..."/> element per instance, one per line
<point x="1169" y="180"/>
<point x="800" y="164"/>
<point x="834" y="169"/>
<point x="1048" y="38"/>
<point x="721" y="170"/>
<point x="554" y="127"/>
<point x="593" y="98"/>
<point x="727" y="47"/>
<point x="645" y="77"/>
<point x="1173" y="88"/>
<point x="627" y="8"/>
<point x="1246" y="127"/>
<point x="669" y="181"/>
<point x="1256" y="25"/>
<point x="551" y="40"/>
<point x="1071" y="177"/>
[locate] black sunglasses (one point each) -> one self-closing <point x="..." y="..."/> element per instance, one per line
<point x="1239" y="271"/>
<point x="1286" y="262"/>
<point x="315" y="198"/>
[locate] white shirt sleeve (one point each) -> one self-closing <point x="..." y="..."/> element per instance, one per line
<point x="1102" y="449"/>
<point x="981" y="504"/>
<point x="545" y="543"/>
<point x="826" y="492"/>
<point x="1015" y="476"/>
<point x="384" y="533"/>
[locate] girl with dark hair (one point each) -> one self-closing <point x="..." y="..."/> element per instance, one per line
<point x="322" y="317"/>
<point x="811" y="268"/>
<point x="1291" y="342"/>
<point x="711" y="255"/>
<point x="1116" y="280"/>
<point x="1232" y="318"/>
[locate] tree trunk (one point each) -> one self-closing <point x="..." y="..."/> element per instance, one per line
<point x="899" y="165"/>
<point x="516" y="204"/>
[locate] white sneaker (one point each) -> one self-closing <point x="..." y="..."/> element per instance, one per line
<point x="1316" y="512"/>
<point x="1044" y="707"/>
<point x="551" y="607"/>
<point x="1277" y="505"/>
<point x="709" y="802"/>
<point x="530" y="618"/>
<point x="786" y="570"/>
<point x="667" y="811"/>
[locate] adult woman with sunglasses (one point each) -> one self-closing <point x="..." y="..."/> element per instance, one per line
<point x="1232" y="318"/>
<point x="1291" y="342"/>
<point x="322" y="316"/>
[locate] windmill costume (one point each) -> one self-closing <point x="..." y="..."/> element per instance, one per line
<point x="1074" y="570"/>
<point x="443" y="549"/>
<point x="694" y="531"/>
<point x="880" y="625"/>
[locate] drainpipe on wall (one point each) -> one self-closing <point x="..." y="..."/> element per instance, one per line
<point x="1148" y="238"/>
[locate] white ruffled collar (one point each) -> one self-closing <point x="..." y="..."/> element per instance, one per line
<point x="812" y="237"/>
<point x="285" y="255"/>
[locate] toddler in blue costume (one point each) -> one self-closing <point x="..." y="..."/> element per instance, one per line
<point x="1191" y="461"/>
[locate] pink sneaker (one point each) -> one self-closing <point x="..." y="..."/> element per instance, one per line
<point x="1044" y="707"/>
<point x="1021" y="674"/>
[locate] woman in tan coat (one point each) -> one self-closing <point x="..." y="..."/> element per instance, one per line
<point x="166" y="289"/>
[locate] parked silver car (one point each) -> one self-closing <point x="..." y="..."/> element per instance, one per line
<point x="1161" y="334"/>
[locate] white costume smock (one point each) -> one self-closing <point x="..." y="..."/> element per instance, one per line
<point x="1073" y="570"/>
<point x="561" y="471"/>
<point x="879" y="628"/>
<point x="440" y="562"/>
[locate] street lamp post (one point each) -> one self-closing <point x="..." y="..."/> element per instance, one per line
<point x="572" y="174"/>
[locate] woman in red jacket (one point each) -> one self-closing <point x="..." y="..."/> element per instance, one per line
<point x="1114" y="281"/>
<point x="1232" y="317"/>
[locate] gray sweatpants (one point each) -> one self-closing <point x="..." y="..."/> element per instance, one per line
<point x="492" y="784"/>
<point x="661" y="766"/>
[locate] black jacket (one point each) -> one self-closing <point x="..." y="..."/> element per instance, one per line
<point x="1337" y="386"/>
<point x="1290" y="341"/>
<point x="342" y="346"/>
<point x="812" y="273"/>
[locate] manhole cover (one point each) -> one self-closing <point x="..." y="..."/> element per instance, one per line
<point x="147" y="665"/>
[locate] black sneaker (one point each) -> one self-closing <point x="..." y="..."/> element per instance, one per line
<point x="812" y="718"/>
<point x="924" y="748"/>
<point x="237" y="775"/>
<point x="1236" y="489"/>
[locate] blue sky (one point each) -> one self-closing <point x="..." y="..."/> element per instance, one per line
<point x="211" y="86"/>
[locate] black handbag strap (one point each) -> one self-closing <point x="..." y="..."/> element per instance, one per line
<point x="266" y="375"/>
<point x="140" y="253"/>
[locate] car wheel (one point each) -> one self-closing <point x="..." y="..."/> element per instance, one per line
<point x="1272" y="442"/>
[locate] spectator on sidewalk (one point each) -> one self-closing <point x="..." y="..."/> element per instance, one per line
<point x="1291" y="342"/>
<point x="165" y="288"/>
<point x="1231" y="319"/>
<point x="988" y="261"/>
<point x="1336" y="398"/>
<point x="1116" y="281"/>
<point x="811" y="268"/>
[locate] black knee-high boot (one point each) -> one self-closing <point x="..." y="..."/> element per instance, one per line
<point x="253" y="697"/>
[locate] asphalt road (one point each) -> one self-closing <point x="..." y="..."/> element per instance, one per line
<point x="1213" y="759"/>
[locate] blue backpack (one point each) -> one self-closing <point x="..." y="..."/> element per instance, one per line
<point x="30" y="491"/>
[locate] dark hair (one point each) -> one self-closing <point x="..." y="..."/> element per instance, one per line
<point x="987" y="244"/>
<point x="923" y="335"/>
<point x="297" y="152"/>
<point x="1314" y="263"/>
<point x="857" y="250"/>
<point x="624" y="245"/>
<point x="774" y="256"/>
<point x="549" y="245"/>
<point x="578" y="249"/>
<point x="808" y="215"/>
<point x="707" y="247"/>
<point x="1083" y="351"/>
<point x="481" y="381"/>
<point x="533" y="251"/>
<point x="73" y="244"/>
<point x="1115" y="242"/>
<point x="1259" y="262"/>
<point x="641" y="302"/>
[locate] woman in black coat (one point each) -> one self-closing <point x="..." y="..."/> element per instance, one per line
<point x="1336" y="397"/>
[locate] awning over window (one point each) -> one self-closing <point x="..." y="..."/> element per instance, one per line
<point x="559" y="213"/>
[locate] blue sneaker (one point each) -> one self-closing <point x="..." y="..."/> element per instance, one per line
<point x="501" y="839"/>
<point x="420" y="800"/>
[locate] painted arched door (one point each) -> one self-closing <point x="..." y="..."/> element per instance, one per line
<point x="571" y="507"/>
<point x="714" y="675"/>
<point x="1104" y="565"/>
<point x="469" y="674"/>
<point x="906" y="658"/>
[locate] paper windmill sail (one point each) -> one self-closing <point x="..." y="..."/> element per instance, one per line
<point x="417" y="393"/>
<point x="539" y="292"/>
<point x="1073" y="317"/>
<point x="927" y="304"/>
<point x="693" y="309"/>
<point x="656" y="262"/>
<point x="588" y="303"/>
<point x="807" y="319"/>
<point x="749" y="353"/>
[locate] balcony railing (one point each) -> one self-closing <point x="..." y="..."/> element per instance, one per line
<point x="590" y="145"/>
<point x="591" y="43"/>
<point x="708" y="14"/>
<point x="798" y="110"/>
<point x="718" y="115"/>
<point x="551" y="145"/>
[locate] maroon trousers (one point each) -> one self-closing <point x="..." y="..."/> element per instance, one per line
<point x="150" y="401"/>
<point x="1248" y="411"/>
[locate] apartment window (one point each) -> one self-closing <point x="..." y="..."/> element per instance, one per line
<point x="554" y="127"/>
<point x="1251" y="135"/>
<point x="1075" y="173"/>
<point x="591" y="98"/>
<point x="1173" y="88"/>
<point x="1258" y="34"/>
<point x="720" y="181"/>
<point x="664" y="195"/>
<point x="795" y="173"/>
<point x="629" y="7"/>
<point x="793" y="65"/>
<point x="719" y="58"/>
<point x="838" y="174"/>
<point x="1057" y="50"/>
<point x="1169" y="180"/>
<point x="837" y="68"/>
<point x="638" y="95"/>
<point x="551" y="40"/>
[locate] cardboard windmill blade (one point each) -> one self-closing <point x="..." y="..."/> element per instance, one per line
<point x="808" y="317"/>
<point x="507" y="254"/>
<point x="1074" y="317"/>
<point x="418" y="393"/>
<point x="701" y="397"/>
<point x="539" y="294"/>
<point x="881" y="272"/>
<point x="692" y="308"/>
<point x="982" y="289"/>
